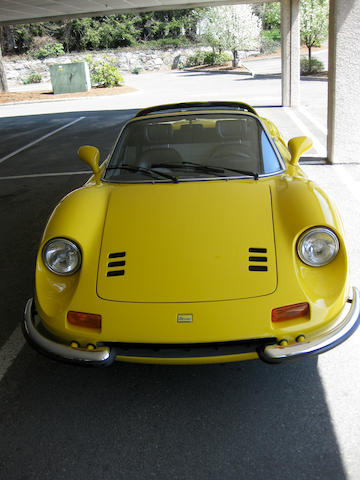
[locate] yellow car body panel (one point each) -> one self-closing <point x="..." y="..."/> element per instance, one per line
<point x="216" y="320"/>
<point x="186" y="262"/>
<point x="189" y="361"/>
<point x="177" y="235"/>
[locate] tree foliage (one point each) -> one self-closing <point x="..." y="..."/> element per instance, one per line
<point x="269" y="14"/>
<point x="225" y="28"/>
<point x="114" y="31"/>
<point x="314" y="16"/>
<point x="232" y="27"/>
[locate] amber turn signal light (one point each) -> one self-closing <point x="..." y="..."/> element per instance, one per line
<point x="85" y="320"/>
<point x="289" y="312"/>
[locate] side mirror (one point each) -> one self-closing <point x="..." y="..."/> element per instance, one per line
<point x="91" y="156"/>
<point x="297" y="146"/>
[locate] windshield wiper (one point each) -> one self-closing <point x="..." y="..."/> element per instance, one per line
<point x="216" y="168"/>
<point x="207" y="168"/>
<point x="197" y="166"/>
<point x="149" y="171"/>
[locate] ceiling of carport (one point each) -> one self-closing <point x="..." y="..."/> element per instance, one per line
<point x="24" y="11"/>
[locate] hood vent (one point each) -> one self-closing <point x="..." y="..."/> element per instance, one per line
<point x="258" y="259"/>
<point x="115" y="263"/>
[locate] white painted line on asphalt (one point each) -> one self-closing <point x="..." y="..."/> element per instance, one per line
<point x="39" y="139"/>
<point x="316" y="144"/>
<point x="11" y="350"/>
<point x="36" y="175"/>
<point x="313" y="117"/>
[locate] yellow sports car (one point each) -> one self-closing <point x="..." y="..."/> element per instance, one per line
<point x="199" y="240"/>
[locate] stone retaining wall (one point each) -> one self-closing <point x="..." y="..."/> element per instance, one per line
<point x="19" y="68"/>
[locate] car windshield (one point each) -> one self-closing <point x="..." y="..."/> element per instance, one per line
<point x="192" y="147"/>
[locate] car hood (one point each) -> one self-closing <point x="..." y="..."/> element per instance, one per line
<point x="188" y="242"/>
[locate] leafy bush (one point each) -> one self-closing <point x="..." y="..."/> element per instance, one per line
<point x="215" y="58"/>
<point x="32" y="78"/>
<point x="197" y="59"/>
<point x="49" y="50"/>
<point x="207" y="58"/>
<point x="270" y="41"/>
<point x="164" y="43"/>
<point x="310" y="65"/>
<point x="104" y="74"/>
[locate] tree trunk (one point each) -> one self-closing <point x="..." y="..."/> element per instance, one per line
<point x="309" y="50"/>
<point x="236" y="59"/>
<point x="3" y="81"/>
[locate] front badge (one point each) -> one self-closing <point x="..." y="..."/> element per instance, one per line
<point x="184" y="318"/>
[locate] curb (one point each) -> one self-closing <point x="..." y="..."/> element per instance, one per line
<point x="65" y="99"/>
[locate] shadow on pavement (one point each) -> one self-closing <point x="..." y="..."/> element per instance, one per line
<point x="234" y="421"/>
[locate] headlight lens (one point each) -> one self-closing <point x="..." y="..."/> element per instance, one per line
<point x="62" y="256"/>
<point x="318" y="246"/>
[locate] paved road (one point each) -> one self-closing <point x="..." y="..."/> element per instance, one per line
<point x="272" y="65"/>
<point x="222" y="422"/>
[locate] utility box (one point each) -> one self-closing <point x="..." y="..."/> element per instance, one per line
<point x="70" y="77"/>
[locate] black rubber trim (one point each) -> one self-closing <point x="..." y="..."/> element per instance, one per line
<point x="189" y="350"/>
<point x="258" y="259"/>
<point x="243" y="107"/>
<point x="257" y="250"/>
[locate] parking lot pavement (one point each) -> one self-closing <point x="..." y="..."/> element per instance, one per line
<point x="272" y="65"/>
<point x="247" y="420"/>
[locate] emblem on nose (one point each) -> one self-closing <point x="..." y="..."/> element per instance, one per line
<point x="184" y="318"/>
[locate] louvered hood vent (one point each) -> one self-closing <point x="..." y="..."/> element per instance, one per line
<point x="114" y="264"/>
<point x="256" y="255"/>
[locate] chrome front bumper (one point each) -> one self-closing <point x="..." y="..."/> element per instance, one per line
<point x="58" y="351"/>
<point x="345" y="325"/>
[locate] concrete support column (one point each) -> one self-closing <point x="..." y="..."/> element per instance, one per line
<point x="344" y="82"/>
<point x="290" y="52"/>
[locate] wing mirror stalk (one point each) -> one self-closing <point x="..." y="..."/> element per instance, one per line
<point x="91" y="156"/>
<point x="297" y="146"/>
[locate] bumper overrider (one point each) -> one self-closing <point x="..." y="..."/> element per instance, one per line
<point x="269" y="351"/>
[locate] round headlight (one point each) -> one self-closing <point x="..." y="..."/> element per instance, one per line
<point x="318" y="246"/>
<point x="62" y="256"/>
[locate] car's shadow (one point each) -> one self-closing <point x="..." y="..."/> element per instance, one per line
<point x="247" y="420"/>
<point x="220" y="422"/>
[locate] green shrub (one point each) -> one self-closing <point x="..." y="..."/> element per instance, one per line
<point x="32" y="78"/>
<point x="214" y="58"/>
<point x="310" y="65"/>
<point x="104" y="74"/>
<point x="164" y="43"/>
<point x="197" y="59"/>
<point x="49" y="50"/>
<point x="270" y="41"/>
<point x="207" y="58"/>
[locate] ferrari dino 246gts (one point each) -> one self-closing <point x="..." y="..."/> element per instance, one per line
<point x="198" y="240"/>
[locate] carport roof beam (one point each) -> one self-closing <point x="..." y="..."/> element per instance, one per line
<point x="31" y="11"/>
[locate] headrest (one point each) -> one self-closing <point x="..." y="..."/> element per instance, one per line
<point x="232" y="129"/>
<point x="161" y="133"/>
